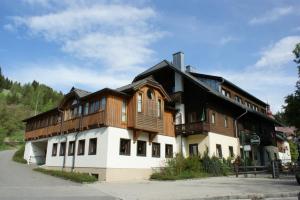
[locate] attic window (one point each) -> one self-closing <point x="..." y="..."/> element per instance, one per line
<point x="150" y="94"/>
<point x="74" y="102"/>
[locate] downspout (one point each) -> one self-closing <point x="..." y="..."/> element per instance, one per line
<point x="235" y="122"/>
<point x="76" y="135"/>
<point x="61" y="133"/>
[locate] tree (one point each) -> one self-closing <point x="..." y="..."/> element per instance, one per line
<point x="292" y="108"/>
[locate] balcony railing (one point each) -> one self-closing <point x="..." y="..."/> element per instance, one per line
<point x="88" y="121"/>
<point x="192" y="128"/>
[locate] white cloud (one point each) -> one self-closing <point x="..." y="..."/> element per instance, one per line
<point x="269" y="78"/>
<point x="227" y="39"/>
<point x="116" y="35"/>
<point x="278" y="54"/>
<point x="272" y="15"/>
<point x="63" y="76"/>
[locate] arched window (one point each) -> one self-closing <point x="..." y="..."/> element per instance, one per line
<point x="150" y="94"/>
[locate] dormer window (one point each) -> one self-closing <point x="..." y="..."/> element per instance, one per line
<point x="150" y="94"/>
<point x="74" y="102"/>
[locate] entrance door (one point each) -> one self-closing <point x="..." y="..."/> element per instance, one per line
<point x="193" y="149"/>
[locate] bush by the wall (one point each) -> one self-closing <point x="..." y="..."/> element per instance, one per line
<point x="18" y="156"/>
<point x="72" y="176"/>
<point x="193" y="167"/>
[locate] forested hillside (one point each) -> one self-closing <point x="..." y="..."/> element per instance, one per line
<point x="19" y="101"/>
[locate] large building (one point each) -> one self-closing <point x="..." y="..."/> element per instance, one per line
<point x="126" y="133"/>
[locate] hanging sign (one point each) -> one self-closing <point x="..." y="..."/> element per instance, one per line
<point x="255" y="139"/>
<point x="247" y="147"/>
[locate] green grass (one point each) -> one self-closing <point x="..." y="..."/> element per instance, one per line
<point x="183" y="175"/>
<point x="18" y="156"/>
<point x="72" y="176"/>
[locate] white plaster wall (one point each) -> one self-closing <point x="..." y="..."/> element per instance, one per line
<point x="182" y="145"/>
<point x="115" y="160"/>
<point x="201" y="140"/>
<point x="35" y="151"/>
<point x="225" y="142"/>
<point x="28" y="150"/>
<point x="286" y="156"/>
<point x="98" y="160"/>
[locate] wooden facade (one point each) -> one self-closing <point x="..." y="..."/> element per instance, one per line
<point x="244" y="100"/>
<point x="118" y="111"/>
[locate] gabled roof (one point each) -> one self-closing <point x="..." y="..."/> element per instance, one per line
<point x="167" y="64"/>
<point x="221" y="79"/>
<point x="79" y="92"/>
<point x="40" y="114"/>
<point x="137" y="84"/>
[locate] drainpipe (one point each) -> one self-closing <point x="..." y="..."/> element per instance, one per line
<point x="235" y="122"/>
<point x="61" y="133"/>
<point x="76" y="135"/>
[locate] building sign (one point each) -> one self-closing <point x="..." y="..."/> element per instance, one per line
<point x="247" y="147"/>
<point x="255" y="139"/>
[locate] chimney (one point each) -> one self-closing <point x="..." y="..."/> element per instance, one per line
<point x="188" y="68"/>
<point x="178" y="60"/>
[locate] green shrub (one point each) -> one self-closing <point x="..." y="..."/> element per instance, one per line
<point x="72" y="176"/>
<point x="18" y="156"/>
<point x="193" y="167"/>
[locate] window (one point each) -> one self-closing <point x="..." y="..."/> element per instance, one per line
<point x="192" y="117"/>
<point x="140" y="103"/>
<point x="97" y="106"/>
<point x="169" y="151"/>
<point x="225" y="121"/>
<point x="103" y="103"/>
<point x="150" y="94"/>
<point x="124" y="114"/>
<point x="193" y="149"/>
<point x="219" y="150"/>
<point x="79" y="110"/>
<point x="231" y="154"/>
<point x="213" y="118"/>
<point x="62" y="150"/>
<point x="141" y="148"/>
<point x="71" y="149"/>
<point x="125" y="147"/>
<point x="93" y="146"/>
<point x="92" y="108"/>
<point x="159" y="108"/>
<point x="155" y="149"/>
<point x="86" y="108"/>
<point x="54" y="149"/>
<point x="225" y="93"/>
<point x="81" y="146"/>
<point x="238" y="99"/>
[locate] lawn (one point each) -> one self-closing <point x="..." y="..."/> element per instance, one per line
<point x="72" y="176"/>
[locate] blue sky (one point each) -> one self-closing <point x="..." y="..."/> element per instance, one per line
<point x="95" y="44"/>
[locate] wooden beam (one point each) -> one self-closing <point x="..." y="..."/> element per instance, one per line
<point x="136" y="134"/>
<point x="151" y="137"/>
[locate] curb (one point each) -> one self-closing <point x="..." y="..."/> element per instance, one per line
<point x="250" y="196"/>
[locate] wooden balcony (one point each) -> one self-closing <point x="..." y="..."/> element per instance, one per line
<point x="42" y="132"/>
<point x="93" y="120"/>
<point x="87" y="122"/>
<point x="192" y="128"/>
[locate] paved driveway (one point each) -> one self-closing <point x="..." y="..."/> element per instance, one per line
<point x="18" y="181"/>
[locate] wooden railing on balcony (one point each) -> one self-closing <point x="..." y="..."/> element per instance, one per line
<point x="192" y="128"/>
<point x="95" y="119"/>
<point x="89" y="121"/>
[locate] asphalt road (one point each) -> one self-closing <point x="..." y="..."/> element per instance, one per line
<point x="18" y="181"/>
